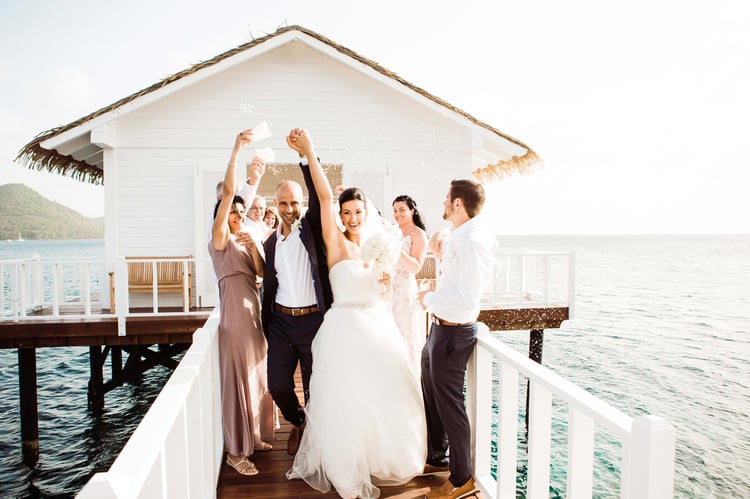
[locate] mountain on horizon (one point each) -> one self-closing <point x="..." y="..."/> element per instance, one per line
<point x="27" y="214"/>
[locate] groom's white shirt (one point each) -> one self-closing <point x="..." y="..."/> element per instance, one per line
<point x="293" y="272"/>
<point x="463" y="273"/>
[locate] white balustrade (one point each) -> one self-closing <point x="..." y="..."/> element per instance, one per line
<point x="177" y="448"/>
<point x="648" y="442"/>
<point x="77" y="288"/>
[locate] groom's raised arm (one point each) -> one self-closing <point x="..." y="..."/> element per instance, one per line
<point x="312" y="217"/>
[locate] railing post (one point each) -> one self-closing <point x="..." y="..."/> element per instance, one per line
<point x="571" y="285"/>
<point x="648" y="460"/>
<point x="581" y="434"/>
<point x="13" y="290"/>
<point x="185" y="285"/>
<point x="55" y="270"/>
<point x="85" y="290"/>
<point x="37" y="275"/>
<point x="155" y="284"/>
<point x="3" y="310"/>
<point x="478" y="403"/>
<point x="22" y="291"/>
<point x="540" y="438"/>
<point x="122" y="298"/>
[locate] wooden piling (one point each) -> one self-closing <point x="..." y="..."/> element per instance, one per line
<point x="29" y="408"/>
<point x="536" y="342"/>
<point x="96" y="380"/>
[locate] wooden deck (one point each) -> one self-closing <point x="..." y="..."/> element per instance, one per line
<point x="40" y="330"/>
<point x="272" y="483"/>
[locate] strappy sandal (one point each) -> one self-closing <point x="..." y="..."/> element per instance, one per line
<point x="263" y="446"/>
<point x="244" y="466"/>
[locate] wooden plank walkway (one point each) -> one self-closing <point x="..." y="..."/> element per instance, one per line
<point x="271" y="482"/>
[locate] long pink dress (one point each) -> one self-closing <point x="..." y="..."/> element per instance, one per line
<point x="247" y="409"/>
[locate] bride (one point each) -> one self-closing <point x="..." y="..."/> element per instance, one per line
<point x="365" y="422"/>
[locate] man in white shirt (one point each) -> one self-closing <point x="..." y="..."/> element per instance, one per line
<point x="465" y="263"/>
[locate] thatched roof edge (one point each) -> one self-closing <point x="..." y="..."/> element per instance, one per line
<point x="523" y="165"/>
<point x="34" y="156"/>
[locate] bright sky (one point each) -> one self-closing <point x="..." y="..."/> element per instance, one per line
<point x="639" y="109"/>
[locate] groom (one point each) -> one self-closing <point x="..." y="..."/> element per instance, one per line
<point x="466" y="263"/>
<point x="296" y="294"/>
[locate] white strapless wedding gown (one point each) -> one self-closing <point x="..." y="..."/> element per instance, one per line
<point x="365" y="417"/>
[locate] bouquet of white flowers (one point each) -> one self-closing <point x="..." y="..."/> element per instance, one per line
<point x="383" y="248"/>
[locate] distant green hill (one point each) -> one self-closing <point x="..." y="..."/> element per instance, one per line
<point x="25" y="211"/>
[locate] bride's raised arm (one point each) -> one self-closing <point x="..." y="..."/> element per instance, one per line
<point x="299" y="139"/>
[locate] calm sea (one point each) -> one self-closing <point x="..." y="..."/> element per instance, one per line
<point x="661" y="326"/>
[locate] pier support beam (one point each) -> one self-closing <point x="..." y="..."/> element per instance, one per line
<point x="536" y="342"/>
<point x="29" y="408"/>
<point x="96" y="380"/>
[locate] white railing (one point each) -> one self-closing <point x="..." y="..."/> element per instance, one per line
<point x="648" y="442"/>
<point x="78" y="288"/>
<point x="531" y="279"/>
<point x="176" y="449"/>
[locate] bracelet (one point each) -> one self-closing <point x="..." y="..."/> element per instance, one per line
<point x="232" y="164"/>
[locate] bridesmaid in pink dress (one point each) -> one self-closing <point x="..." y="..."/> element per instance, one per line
<point x="409" y="315"/>
<point x="248" y="411"/>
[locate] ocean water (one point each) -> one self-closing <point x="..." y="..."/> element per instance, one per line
<point x="74" y="441"/>
<point x="661" y="326"/>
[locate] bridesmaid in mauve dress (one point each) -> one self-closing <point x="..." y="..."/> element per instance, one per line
<point x="248" y="411"/>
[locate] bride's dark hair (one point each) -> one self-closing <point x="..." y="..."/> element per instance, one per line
<point x="412" y="205"/>
<point x="352" y="194"/>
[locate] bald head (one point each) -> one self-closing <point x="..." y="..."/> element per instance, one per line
<point x="289" y="201"/>
<point x="289" y="187"/>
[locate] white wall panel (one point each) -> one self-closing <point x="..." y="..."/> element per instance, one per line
<point x="388" y="143"/>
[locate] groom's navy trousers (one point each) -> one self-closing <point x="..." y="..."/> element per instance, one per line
<point x="444" y="359"/>
<point x="290" y="341"/>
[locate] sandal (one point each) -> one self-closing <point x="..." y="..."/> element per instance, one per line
<point x="263" y="446"/>
<point x="244" y="466"/>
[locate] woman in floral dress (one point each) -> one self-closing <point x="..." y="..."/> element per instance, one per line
<point x="409" y="316"/>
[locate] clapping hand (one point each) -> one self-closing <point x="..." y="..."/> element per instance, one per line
<point x="257" y="169"/>
<point x="424" y="287"/>
<point x="243" y="238"/>
<point x="436" y="244"/>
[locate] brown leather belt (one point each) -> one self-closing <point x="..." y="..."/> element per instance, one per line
<point x="297" y="312"/>
<point x="441" y="322"/>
